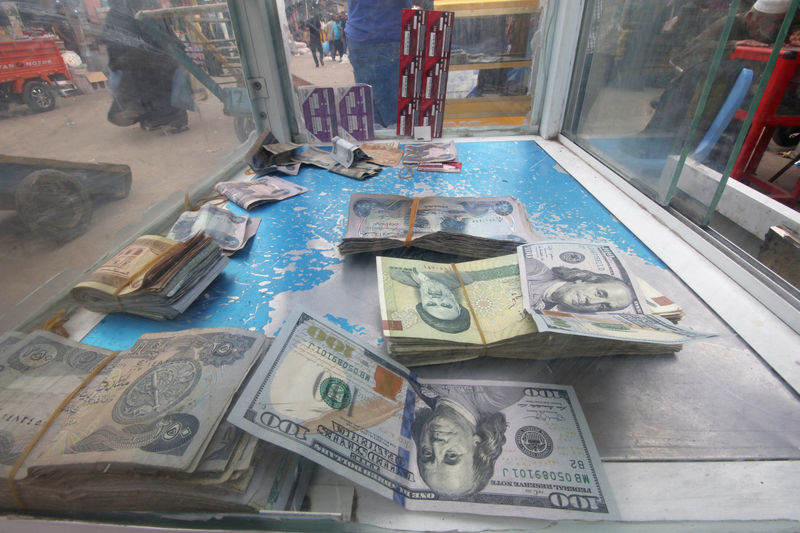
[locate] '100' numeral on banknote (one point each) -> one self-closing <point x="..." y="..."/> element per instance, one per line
<point x="504" y="448"/>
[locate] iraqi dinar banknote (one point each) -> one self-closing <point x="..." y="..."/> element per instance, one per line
<point x="155" y="406"/>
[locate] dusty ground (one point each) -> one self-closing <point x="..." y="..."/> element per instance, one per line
<point x="34" y="268"/>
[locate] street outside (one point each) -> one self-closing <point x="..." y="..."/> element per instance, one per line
<point x="33" y="268"/>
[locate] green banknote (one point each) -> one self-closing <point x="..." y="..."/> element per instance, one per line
<point x="471" y="446"/>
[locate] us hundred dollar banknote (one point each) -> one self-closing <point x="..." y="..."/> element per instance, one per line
<point x="471" y="446"/>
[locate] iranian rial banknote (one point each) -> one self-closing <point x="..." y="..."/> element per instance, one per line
<point x="503" y="448"/>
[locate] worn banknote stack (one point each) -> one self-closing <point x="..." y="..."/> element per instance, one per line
<point x="142" y="429"/>
<point x="551" y="300"/>
<point x="268" y="155"/>
<point x="466" y="226"/>
<point x="228" y="230"/>
<point x="154" y="277"/>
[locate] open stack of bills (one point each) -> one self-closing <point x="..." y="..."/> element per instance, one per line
<point x="659" y="304"/>
<point x="142" y="429"/>
<point x="230" y="231"/>
<point x="258" y="191"/>
<point x="269" y="155"/>
<point x="467" y="226"/>
<point x="358" y="170"/>
<point x="454" y="446"/>
<point x="439" y="312"/>
<point x="154" y="277"/>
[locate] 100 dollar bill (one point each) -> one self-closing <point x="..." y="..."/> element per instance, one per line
<point x="502" y="448"/>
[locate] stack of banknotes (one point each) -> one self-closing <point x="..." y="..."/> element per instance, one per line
<point x="467" y="226"/>
<point x="154" y="277"/>
<point x="142" y="429"/>
<point x="501" y="447"/>
<point x="527" y="305"/>
<point x="228" y="230"/>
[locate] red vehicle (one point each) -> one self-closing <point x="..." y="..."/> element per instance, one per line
<point x="31" y="72"/>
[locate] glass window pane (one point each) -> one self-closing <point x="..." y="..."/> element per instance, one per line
<point x="492" y="48"/>
<point x="122" y="109"/>
<point x="662" y="96"/>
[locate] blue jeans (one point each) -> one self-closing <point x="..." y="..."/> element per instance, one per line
<point x="378" y="64"/>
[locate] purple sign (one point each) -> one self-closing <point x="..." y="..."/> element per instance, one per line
<point x="356" y="120"/>
<point x="319" y="112"/>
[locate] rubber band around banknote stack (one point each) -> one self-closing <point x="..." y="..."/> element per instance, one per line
<point x="12" y="483"/>
<point x="412" y="217"/>
<point x="471" y="309"/>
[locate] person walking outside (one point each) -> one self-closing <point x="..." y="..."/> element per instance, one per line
<point x="338" y="45"/>
<point x="315" y="40"/>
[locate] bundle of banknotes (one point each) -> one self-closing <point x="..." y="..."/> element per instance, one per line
<point x="142" y="429"/>
<point x="154" y="277"/>
<point x="467" y="226"/>
<point x="258" y="191"/>
<point x="551" y="300"/>
<point x="500" y="447"/>
<point x="228" y="230"/>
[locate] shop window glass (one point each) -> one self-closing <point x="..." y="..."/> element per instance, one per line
<point x="669" y="94"/>
<point x="494" y="46"/>
<point x="122" y="108"/>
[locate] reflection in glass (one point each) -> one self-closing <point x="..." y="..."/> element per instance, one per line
<point x="492" y="50"/>
<point x="146" y="99"/>
<point x="661" y="82"/>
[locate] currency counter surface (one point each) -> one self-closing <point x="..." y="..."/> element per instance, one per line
<point x="709" y="433"/>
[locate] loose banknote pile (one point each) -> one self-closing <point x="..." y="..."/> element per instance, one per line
<point x="143" y="429"/>
<point x="154" y="277"/>
<point x="258" y="191"/>
<point x="468" y="226"/>
<point x="230" y="231"/>
<point x="471" y="446"/>
<point x="268" y="155"/>
<point x="552" y="300"/>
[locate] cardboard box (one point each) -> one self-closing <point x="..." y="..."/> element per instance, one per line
<point x="434" y="77"/>
<point x="355" y="115"/>
<point x="431" y="114"/>
<point x="438" y="33"/>
<point x="410" y="82"/>
<point x="407" y="116"/>
<point x="413" y="32"/>
<point x="424" y="61"/>
<point x="318" y="106"/>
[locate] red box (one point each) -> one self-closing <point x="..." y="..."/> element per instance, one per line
<point x="434" y="77"/>
<point x="407" y="116"/>
<point x="438" y="33"/>
<point x="410" y="83"/>
<point x="431" y="113"/>
<point x="413" y="27"/>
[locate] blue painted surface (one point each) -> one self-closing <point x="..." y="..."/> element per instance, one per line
<point x="294" y="249"/>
